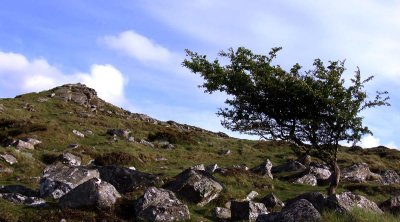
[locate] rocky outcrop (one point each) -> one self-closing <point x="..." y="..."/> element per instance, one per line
<point x="390" y="177"/>
<point x="264" y="169"/>
<point x="271" y="201"/>
<point x="10" y="159"/>
<point x="58" y="179"/>
<point x="317" y="199"/>
<point x="92" y="193"/>
<point x="247" y="210"/>
<point x="127" y="180"/>
<point x="346" y="201"/>
<point x="21" y="199"/>
<point x="290" y="166"/>
<point x="308" y="179"/>
<point x="77" y="93"/>
<point x="356" y="173"/>
<point x="160" y="205"/>
<point x="300" y="210"/>
<point x="196" y="186"/>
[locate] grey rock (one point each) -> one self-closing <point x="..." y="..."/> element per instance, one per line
<point x="356" y="173"/>
<point x="290" y="166"/>
<point x="321" y="173"/>
<point x="9" y="158"/>
<point x="21" y="199"/>
<point x="20" y="145"/>
<point x="32" y="141"/>
<point x="78" y="134"/>
<point x="271" y="217"/>
<point x="308" y="179"/>
<point x="391" y="205"/>
<point x="165" y="145"/>
<point x="247" y="210"/>
<point x="131" y="139"/>
<point x="161" y="205"/>
<point x="132" y="168"/>
<point x="159" y="159"/>
<point x="146" y="143"/>
<point x="225" y="152"/>
<point x="301" y="210"/>
<point x="73" y="145"/>
<point x="19" y="189"/>
<point x="70" y="159"/>
<point x="271" y="201"/>
<point x="390" y="177"/>
<point x="59" y="179"/>
<point x="264" y="169"/>
<point x="212" y="168"/>
<point x="198" y="167"/>
<point x="77" y="93"/>
<point x="196" y="186"/>
<point x="92" y="193"/>
<point x="250" y="196"/>
<point x="241" y="167"/>
<point x="127" y="180"/>
<point x="346" y="201"/>
<point x="317" y="199"/>
<point x="119" y="132"/>
<point x="221" y="214"/>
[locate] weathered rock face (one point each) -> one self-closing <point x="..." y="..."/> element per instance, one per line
<point x="58" y="179"/>
<point x="21" y="199"/>
<point x="264" y="169"/>
<point x="346" y="201"/>
<point x="356" y="173"/>
<point x="301" y="210"/>
<point x="271" y="201"/>
<point x="308" y="179"/>
<point x="390" y="177"/>
<point x="77" y="93"/>
<point x="320" y="172"/>
<point x="391" y="205"/>
<point x="317" y="199"/>
<point x="127" y="180"/>
<point x="160" y="205"/>
<point x="8" y="158"/>
<point x="119" y="132"/>
<point x="247" y="210"/>
<point x="290" y="166"/>
<point x="221" y="214"/>
<point x="19" y="189"/>
<point x="92" y="193"/>
<point x="70" y="159"/>
<point x="196" y="186"/>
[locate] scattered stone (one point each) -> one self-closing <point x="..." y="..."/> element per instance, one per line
<point x="159" y="159"/>
<point x="264" y="169"/>
<point x="59" y="179"/>
<point x="391" y="205"/>
<point x="70" y="159"/>
<point x="20" y="144"/>
<point x="160" y="205"/>
<point x="165" y="145"/>
<point x="300" y="210"/>
<point x="290" y="166"/>
<point x="317" y="199"/>
<point x="119" y="132"/>
<point x="131" y="139"/>
<point x="390" y="177"/>
<point x="92" y="193"/>
<point x="346" y="201"/>
<point x="127" y="180"/>
<point x="356" y="173"/>
<point x="251" y="195"/>
<point x="9" y="158"/>
<point x="32" y="141"/>
<point x="271" y="201"/>
<point x="88" y="132"/>
<point x="212" y="168"/>
<point x="221" y="213"/>
<point x="77" y="133"/>
<point x="198" y="167"/>
<point x="146" y="143"/>
<point x="225" y="152"/>
<point x="29" y="107"/>
<point x="241" y="167"/>
<point x="196" y="186"/>
<point x="132" y="168"/>
<point x="320" y="172"/>
<point x="21" y="199"/>
<point x="18" y="189"/>
<point x="308" y="179"/>
<point x="73" y="145"/>
<point x="52" y="95"/>
<point x="42" y="99"/>
<point x="247" y="210"/>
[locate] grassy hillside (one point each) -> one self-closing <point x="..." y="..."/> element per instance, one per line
<point x="52" y="120"/>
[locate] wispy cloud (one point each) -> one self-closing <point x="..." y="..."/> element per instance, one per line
<point x="137" y="46"/>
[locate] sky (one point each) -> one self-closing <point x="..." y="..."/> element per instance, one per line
<point x="131" y="51"/>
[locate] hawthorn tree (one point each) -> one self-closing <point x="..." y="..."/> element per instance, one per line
<point x="314" y="110"/>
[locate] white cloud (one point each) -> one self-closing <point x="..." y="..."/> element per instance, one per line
<point x="370" y="141"/>
<point x="20" y="75"/>
<point x="137" y="46"/>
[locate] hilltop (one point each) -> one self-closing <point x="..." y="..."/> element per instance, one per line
<point x="69" y="129"/>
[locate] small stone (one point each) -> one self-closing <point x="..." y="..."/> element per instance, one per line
<point x="20" y="144"/>
<point x="251" y="195"/>
<point x="52" y="95"/>
<point x="8" y="158"/>
<point x="159" y="159"/>
<point x="212" y="168"/>
<point x="241" y="167"/>
<point x="198" y="167"/>
<point x="247" y="210"/>
<point x="132" y="168"/>
<point x="146" y="143"/>
<point x="32" y="141"/>
<point x="264" y="169"/>
<point x="271" y="201"/>
<point x="225" y="152"/>
<point x="77" y="133"/>
<point x="70" y="159"/>
<point x="308" y="179"/>
<point x="73" y="145"/>
<point x="221" y="213"/>
<point x="131" y="139"/>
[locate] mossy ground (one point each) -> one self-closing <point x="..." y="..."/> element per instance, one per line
<point x="53" y="121"/>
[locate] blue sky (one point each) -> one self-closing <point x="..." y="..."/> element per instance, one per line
<point x="131" y="51"/>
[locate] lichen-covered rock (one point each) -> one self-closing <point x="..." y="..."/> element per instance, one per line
<point x="77" y="93"/>
<point x="290" y="166"/>
<point x="247" y="210"/>
<point x="21" y="199"/>
<point x="346" y="201"/>
<point x="127" y="180"/>
<point x="196" y="186"/>
<point x="59" y="179"/>
<point x="221" y="214"/>
<point x="8" y="158"/>
<point x="271" y="201"/>
<point x="300" y="210"/>
<point x="317" y="199"/>
<point x="308" y="179"/>
<point x="160" y="205"/>
<point x="198" y="167"/>
<point x="70" y="159"/>
<point x="264" y="169"/>
<point x="391" y="205"/>
<point x="390" y="177"/>
<point x="356" y="173"/>
<point x="320" y="172"/>
<point x="250" y="196"/>
<point x="92" y="193"/>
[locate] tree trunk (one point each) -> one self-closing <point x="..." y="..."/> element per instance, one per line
<point x="335" y="178"/>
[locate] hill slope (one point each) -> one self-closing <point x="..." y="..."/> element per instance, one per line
<point x="113" y="136"/>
